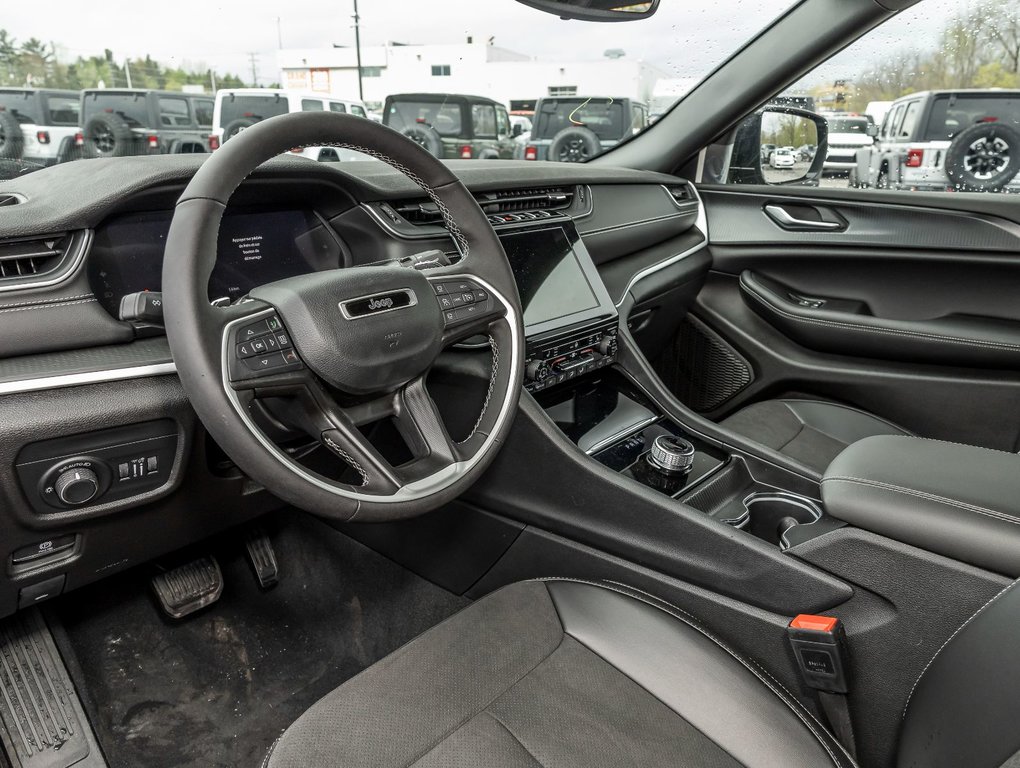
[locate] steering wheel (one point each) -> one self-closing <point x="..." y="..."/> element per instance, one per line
<point x="347" y="347"/>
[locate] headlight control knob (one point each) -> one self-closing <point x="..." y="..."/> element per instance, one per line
<point x="76" y="486"/>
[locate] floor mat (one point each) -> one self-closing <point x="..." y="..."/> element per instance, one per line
<point x="217" y="688"/>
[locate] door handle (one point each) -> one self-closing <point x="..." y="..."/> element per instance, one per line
<point x="784" y="219"/>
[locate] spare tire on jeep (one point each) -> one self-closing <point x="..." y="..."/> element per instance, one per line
<point x="12" y="142"/>
<point x="237" y="126"/>
<point x="984" y="157"/>
<point x="107" y="134"/>
<point x="574" y="145"/>
<point x="427" y="137"/>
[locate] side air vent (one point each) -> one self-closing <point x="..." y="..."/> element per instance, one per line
<point x="25" y="258"/>
<point x="681" y="193"/>
<point x="513" y="200"/>
<point x="8" y="199"/>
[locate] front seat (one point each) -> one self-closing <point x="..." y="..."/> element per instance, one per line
<point x="568" y="673"/>
<point x="812" y="432"/>
<point x="560" y="673"/>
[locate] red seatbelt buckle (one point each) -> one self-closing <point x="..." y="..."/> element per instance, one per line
<point x="820" y="647"/>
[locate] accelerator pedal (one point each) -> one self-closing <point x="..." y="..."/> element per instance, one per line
<point x="262" y="558"/>
<point x="42" y="723"/>
<point x="189" y="587"/>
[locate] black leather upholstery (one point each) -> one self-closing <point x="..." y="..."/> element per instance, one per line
<point x="560" y="673"/>
<point x="812" y="432"/>
<point x="963" y="708"/>
<point x="958" y="500"/>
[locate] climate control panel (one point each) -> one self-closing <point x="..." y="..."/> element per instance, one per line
<point x="565" y="356"/>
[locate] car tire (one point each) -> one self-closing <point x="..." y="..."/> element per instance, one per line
<point x="574" y="145"/>
<point x="12" y="142"/>
<point x="488" y="154"/>
<point x="108" y="135"/>
<point x="427" y="138"/>
<point x="237" y="126"/>
<point x="983" y="158"/>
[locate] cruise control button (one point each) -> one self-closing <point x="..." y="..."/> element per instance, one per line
<point x="446" y="302"/>
<point x="458" y="300"/>
<point x="467" y="312"/>
<point x="481" y="295"/>
<point x="450" y="316"/>
<point x="266" y="362"/>
<point x="468" y="296"/>
<point x="440" y="289"/>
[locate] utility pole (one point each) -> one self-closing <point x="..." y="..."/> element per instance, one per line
<point x="357" y="48"/>
<point x="253" y="58"/>
<point x="127" y="71"/>
<point x="212" y="80"/>
<point x="279" y="34"/>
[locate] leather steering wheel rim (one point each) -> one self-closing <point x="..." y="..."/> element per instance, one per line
<point x="201" y="336"/>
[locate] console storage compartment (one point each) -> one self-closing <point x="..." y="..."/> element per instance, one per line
<point x="956" y="500"/>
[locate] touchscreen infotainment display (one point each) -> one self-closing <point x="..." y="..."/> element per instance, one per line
<point x="254" y="249"/>
<point x="549" y="276"/>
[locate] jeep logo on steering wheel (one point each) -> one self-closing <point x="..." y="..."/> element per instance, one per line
<point x="378" y="303"/>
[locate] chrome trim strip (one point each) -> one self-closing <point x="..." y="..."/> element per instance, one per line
<point x="631" y="224"/>
<point x="412" y="302"/>
<point x="417" y="490"/>
<point x="625" y="432"/>
<point x="86" y="377"/>
<point x="70" y="271"/>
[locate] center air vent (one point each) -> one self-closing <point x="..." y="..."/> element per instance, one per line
<point x="424" y="212"/>
<point x="25" y="258"/>
<point x="8" y="199"/>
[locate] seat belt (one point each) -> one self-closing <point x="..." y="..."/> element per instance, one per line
<point x="820" y="647"/>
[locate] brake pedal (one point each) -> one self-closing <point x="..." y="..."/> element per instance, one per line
<point x="189" y="587"/>
<point x="262" y="558"/>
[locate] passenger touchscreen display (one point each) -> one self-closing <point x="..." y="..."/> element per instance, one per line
<point x="549" y="276"/>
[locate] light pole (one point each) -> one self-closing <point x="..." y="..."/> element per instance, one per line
<point x="357" y="48"/>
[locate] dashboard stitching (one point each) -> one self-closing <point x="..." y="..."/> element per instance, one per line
<point x="488" y="393"/>
<point x="49" y="306"/>
<point x="348" y="458"/>
<point x="44" y="301"/>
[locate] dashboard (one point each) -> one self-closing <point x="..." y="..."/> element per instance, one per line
<point x="586" y="244"/>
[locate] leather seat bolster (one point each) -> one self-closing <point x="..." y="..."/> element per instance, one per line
<point x="956" y="500"/>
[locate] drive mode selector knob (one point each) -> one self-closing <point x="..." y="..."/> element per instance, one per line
<point x="76" y="486"/>
<point x="671" y="454"/>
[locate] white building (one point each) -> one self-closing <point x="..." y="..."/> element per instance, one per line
<point x="471" y="68"/>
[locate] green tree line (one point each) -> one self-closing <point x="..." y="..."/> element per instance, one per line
<point x="977" y="48"/>
<point x="37" y="64"/>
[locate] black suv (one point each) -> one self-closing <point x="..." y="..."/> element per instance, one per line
<point x="125" y="122"/>
<point x="576" y="128"/>
<point x="452" y="125"/>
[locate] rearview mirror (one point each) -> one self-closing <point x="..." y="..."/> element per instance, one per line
<point x="596" y="10"/>
<point x="517" y="130"/>
<point x="779" y="145"/>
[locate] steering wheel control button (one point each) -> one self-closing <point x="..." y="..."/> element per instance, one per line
<point x="461" y="300"/>
<point x="266" y="362"/>
<point x="269" y="350"/>
<point x="283" y="340"/>
<point x="249" y="332"/>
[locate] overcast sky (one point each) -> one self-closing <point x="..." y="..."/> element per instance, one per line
<point x="686" y="38"/>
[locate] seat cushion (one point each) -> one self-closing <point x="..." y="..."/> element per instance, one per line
<point x="559" y="673"/>
<point x="812" y="432"/>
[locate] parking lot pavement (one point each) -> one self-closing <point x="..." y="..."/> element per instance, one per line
<point x="834" y="182"/>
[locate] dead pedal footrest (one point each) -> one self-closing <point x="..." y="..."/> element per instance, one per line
<point x="189" y="587"/>
<point x="43" y="725"/>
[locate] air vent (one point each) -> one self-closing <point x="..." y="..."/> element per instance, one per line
<point x="25" y="258"/>
<point x="8" y="199"/>
<point x="514" y="200"/>
<point x="680" y="193"/>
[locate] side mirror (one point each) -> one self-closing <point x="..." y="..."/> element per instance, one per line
<point x="779" y="145"/>
<point x="596" y="10"/>
<point x="872" y="130"/>
<point x="517" y="130"/>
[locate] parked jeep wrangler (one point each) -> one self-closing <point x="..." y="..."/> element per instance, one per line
<point x="452" y="125"/>
<point x="575" y="129"/>
<point x="966" y="140"/>
<point x="38" y="125"/>
<point x="121" y="122"/>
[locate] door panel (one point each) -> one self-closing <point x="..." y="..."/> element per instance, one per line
<point x="910" y="312"/>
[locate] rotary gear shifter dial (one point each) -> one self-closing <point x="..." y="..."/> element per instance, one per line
<point x="672" y="455"/>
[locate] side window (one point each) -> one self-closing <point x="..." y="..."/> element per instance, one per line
<point x="64" y="110"/>
<point x="440" y="70"/>
<point x="174" y="113"/>
<point x="336" y="106"/>
<point x="483" y="116"/>
<point x="357" y="109"/>
<point x="311" y="105"/>
<point x="942" y="81"/>
<point x="502" y="123"/>
<point x="204" y="112"/>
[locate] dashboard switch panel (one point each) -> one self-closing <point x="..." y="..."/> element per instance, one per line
<point x="82" y="471"/>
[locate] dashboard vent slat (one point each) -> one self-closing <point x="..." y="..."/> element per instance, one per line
<point x="423" y="212"/>
<point x="6" y="199"/>
<point x="27" y="258"/>
<point x="680" y="193"/>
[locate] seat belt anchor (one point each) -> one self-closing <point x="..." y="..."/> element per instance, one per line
<point x="820" y="647"/>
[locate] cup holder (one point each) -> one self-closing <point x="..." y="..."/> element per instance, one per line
<point x="771" y="515"/>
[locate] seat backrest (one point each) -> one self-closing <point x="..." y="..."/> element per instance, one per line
<point x="964" y="709"/>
